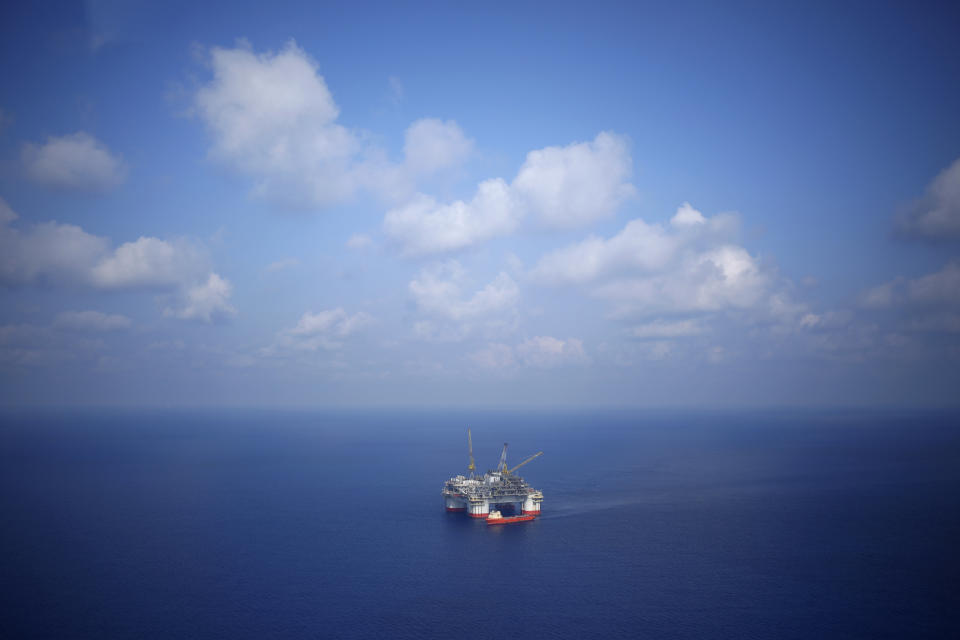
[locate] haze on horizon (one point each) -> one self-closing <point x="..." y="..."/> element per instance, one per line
<point x="591" y="204"/>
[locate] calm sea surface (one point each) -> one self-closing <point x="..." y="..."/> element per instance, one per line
<point x="253" y="524"/>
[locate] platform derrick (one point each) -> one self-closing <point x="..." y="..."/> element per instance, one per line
<point x="497" y="490"/>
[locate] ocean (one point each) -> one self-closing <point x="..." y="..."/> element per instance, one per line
<point x="656" y="524"/>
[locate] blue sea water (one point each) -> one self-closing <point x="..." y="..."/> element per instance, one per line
<point x="253" y="524"/>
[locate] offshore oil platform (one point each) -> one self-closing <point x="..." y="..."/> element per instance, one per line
<point x="498" y="490"/>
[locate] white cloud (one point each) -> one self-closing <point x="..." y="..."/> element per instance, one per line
<point x="725" y="278"/>
<point x="540" y="351"/>
<point x="936" y="216"/>
<point x="432" y="145"/>
<point x="640" y="246"/>
<point x="578" y="184"/>
<point x="49" y="254"/>
<point x="272" y="117"/>
<point x="438" y="291"/>
<point x="322" y="330"/>
<point x="92" y="321"/>
<point x="648" y="269"/>
<point x="148" y="263"/>
<point x="424" y="226"/>
<point x="451" y="313"/>
<point x="76" y="162"/>
<point x="53" y="254"/>
<point x="687" y="216"/>
<point x="207" y="301"/>
<point x="562" y="186"/>
<point x="336" y="322"/>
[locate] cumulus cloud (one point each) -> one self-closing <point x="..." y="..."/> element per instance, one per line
<point x="640" y="246"/>
<point x="451" y="314"/>
<point x="936" y="216"/>
<point x="95" y="321"/>
<point x="438" y="291"/>
<point x="903" y="317"/>
<point x="577" y="184"/>
<point x="272" y="117"/>
<point x="207" y="301"/>
<point x="938" y="289"/>
<point x="51" y="254"/>
<point x="540" y="351"/>
<point x="432" y="144"/>
<point x="424" y="226"/>
<point x="322" y="330"/>
<point x="725" y="277"/>
<point x="687" y="216"/>
<point x="75" y="162"/>
<point x="561" y="186"/>
<point x="692" y="265"/>
<point x="148" y="263"/>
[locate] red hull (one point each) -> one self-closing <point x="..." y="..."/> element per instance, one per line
<point x="456" y="509"/>
<point x="511" y="519"/>
<point x="478" y="515"/>
<point x="531" y="513"/>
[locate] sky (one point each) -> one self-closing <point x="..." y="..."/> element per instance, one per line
<point x="514" y="204"/>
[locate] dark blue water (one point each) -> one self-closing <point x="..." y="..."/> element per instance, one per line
<point x="251" y="524"/>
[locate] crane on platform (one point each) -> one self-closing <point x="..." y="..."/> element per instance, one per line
<point x="471" y="467"/>
<point x="509" y="471"/>
<point x="502" y="465"/>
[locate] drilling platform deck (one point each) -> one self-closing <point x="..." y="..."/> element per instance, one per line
<point x="497" y="489"/>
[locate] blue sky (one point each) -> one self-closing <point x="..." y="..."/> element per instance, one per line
<point x="563" y="204"/>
